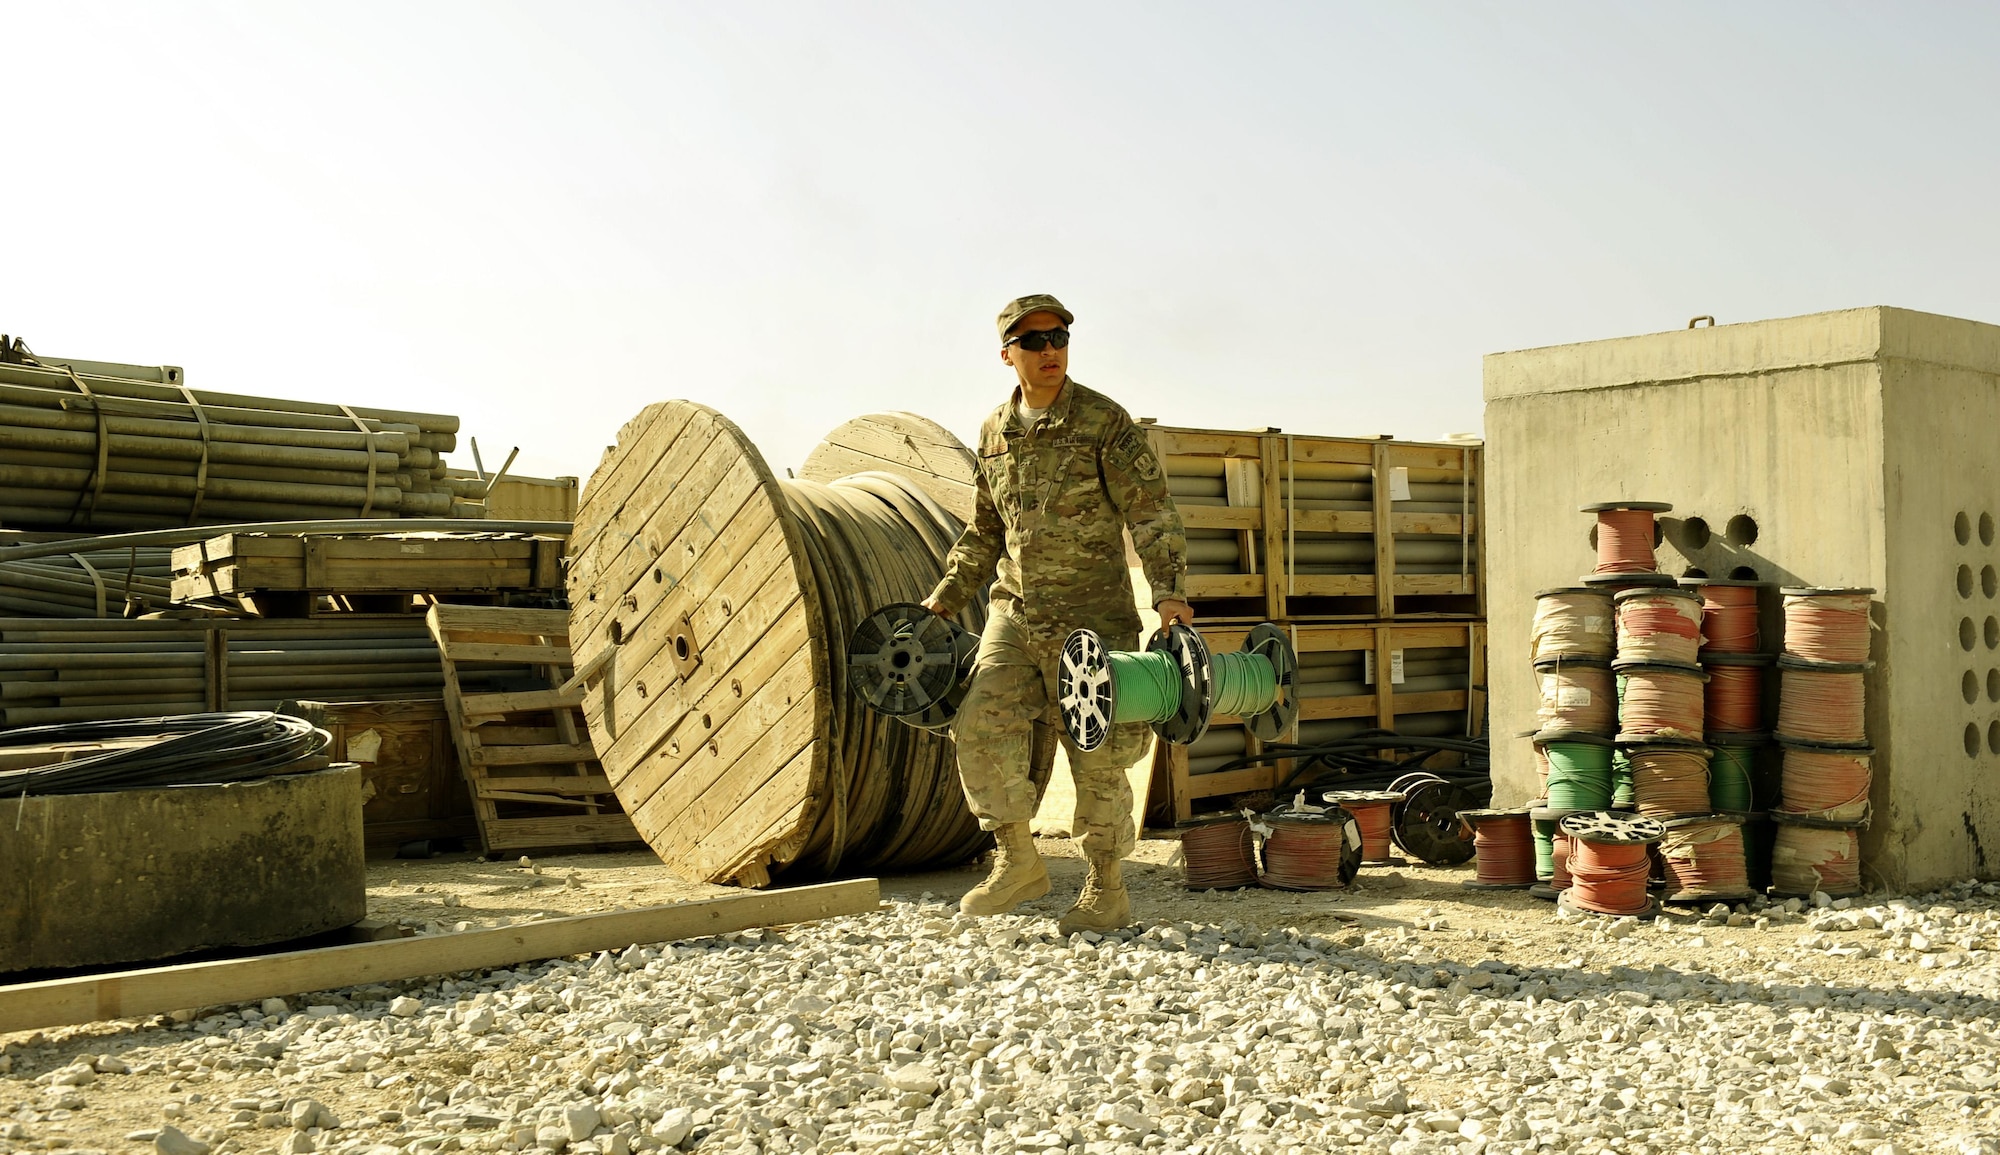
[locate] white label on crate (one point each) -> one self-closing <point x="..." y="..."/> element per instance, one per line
<point x="413" y="549"/>
<point x="365" y="746"/>
<point x="1399" y="483"/>
<point x="1368" y="667"/>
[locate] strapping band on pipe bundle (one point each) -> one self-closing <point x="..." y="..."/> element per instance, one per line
<point x="1176" y="685"/>
<point x="1809" y="858"/>
<point x="1626" y="533"/>
<point x="1503" y="849"/>
<point x="1729" y="615"/>
<point x="1705" y="860"/>
<point x="1609" y="864"/>
<point x="1823" y="705"/>
<point x="1660" y="702"/>
<point x="1572" y="622"/>
<point x="1827" y="625"/>
<point x="1372" y="812"/>
<point x="1579" y="773"/>
<point x="1734" y="701"/>
<point x="1826" y="786"/>
<point x="1578" y="695"/>
<point x="1729" y="778"/>
<point x="1669" y="780"/>
<point x="1218" y="853"/>
<point x="1310" y="849"/>
<point x="1658" y="626"/>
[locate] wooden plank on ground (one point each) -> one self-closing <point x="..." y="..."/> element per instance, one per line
<point x="157" y="990"/>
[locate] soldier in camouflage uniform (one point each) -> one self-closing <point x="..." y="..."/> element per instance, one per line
<point x="1063" y="473"/>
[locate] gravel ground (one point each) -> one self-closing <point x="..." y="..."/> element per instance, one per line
<point x="1408" y="1015"/>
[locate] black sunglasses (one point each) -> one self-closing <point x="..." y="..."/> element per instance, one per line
<point x="1038" y="340"/>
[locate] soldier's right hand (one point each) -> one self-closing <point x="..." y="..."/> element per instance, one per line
<point x="932" y="605"/>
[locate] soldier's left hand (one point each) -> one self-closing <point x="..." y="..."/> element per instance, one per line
<point x="1174" y="611"/>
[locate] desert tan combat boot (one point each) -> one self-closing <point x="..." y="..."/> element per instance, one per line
<point x="1104" y="905"/>
<point x="1018" y="874"/>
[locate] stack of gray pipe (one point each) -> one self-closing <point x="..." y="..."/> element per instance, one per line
<point x="1343" y="674"/>
<point x="1323" y="486"/>
<point x="123" y="447"/>
<point x="86" y="584"/>
<point x="86" y="671"/>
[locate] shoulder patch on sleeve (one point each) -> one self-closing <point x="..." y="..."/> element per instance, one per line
<point x="1132" y="453"/>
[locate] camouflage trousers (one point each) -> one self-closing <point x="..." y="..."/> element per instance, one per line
<point x="1013" y="688"/>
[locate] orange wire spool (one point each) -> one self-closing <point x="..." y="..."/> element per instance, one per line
<point x="1729" y="623"/>
<point x="1559" y="877"/>
<point x="1310" y="850"/>
<point x="1659" y="626"/>
<point x="1217" y="853"/>
<point x="1626" y="534"/>
<point x="1669" y="781"/>
<point x="1572" y="622"/>
<point x="1704" y="860"/>
<point x="1821" y="705"/>
<point x="1827" y="785"/>
<point x="1734" y="701"/>
<point x="1809" y="858"/>
<point x="1661" y="702"/>
<point x="1579" y="695"/>
<point x="1827" y="625"/>
<point x="1503" y="848"/>
<point x="1610" y="862"/>
<point x="1373" y="810"/>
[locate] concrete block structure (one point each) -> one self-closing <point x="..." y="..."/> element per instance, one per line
<point x="1852" y="448"/>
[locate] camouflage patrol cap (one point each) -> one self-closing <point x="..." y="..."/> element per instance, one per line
<point x="1020" y="307"/>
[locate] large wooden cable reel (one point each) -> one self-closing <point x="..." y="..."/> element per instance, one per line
<point x="711" y="602"/>
<point x="912" y="447"/>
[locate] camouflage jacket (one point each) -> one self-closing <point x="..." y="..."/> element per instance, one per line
<point x="1053" y="502"/>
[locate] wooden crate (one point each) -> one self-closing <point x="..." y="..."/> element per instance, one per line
<point x="1436" y="668"/>
<point x="405" y="750"/>
<point x="1257" y="554"/>
<point x="526" y="755"/>
<point x="283" y="574"/>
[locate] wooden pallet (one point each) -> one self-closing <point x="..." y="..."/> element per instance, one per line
<point x="526" y="755"/>
<point x="405" y="749"/>
<point x="1235" y="494"/>
<point x="1358" y="693"/>
<point x="283" y="576"/>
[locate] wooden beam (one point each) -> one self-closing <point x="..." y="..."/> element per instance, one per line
<point x="157" y="990"/>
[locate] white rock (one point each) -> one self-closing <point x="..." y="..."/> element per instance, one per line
<point x="403" y="1006"/>
<point x="918" y="1077"/>
<point x="673" y="1126"/>
<point x="173" y="1141"/>
<point x="275" y="1006"/>
<point x="581" y="1120"/>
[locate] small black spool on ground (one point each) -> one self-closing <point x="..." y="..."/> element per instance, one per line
<point x="1426" y="821"/>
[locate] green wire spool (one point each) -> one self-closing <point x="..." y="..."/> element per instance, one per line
<point x="1579" y="776"/>
<point x="1545" y="848"/>
<point x="1729" y="778"/>
<point x="1624" y="794"/>
<point x="911" y="664"/>
<point x="1176" y="685"/>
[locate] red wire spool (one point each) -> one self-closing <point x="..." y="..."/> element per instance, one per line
<point x="1669" y="781"/>
<point x="1578" y="695"/>
<point x="1217" y="853"/>
<point x="1809" y="858"/>
<point x="1830" y="786"/>
<point x="1704" y="860"/>
<point x="1626" y="533"/>
<point x="1372" y="810"/>
<point x="1560" y="880"/>
<point x="1827" y="625"/>
<point x="1308" y="850"/>
<point x="1734" y="700"/>
<point x="1610" y="862"/>
<point x="1659" y="626"/>
<point x="1503" y="849"/>
<point x="1572" y="622"/>
<point x="1729" y="621"/>
<point x="1821" y="705"/>
<point x="1661" y="702"/>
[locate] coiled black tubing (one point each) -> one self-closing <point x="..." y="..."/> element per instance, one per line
<point x="184" y="750"/>
<point x="871" y="539"/>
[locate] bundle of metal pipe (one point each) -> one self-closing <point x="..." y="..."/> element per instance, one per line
<point x="132" y="447"/>
<point x="85" y="671"/>
<point x="86" y="584"/>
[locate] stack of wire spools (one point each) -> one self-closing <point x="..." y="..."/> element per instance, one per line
<point x="1732" y="653"/>
<point x="1827" y="773"/>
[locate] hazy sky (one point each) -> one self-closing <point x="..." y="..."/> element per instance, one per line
<point x="1318" y="216"/>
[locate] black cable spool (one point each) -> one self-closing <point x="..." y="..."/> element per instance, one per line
<point x="1270" y="641"/>
<point x="912" y="665"/>
<point x="1426" y="823"/>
